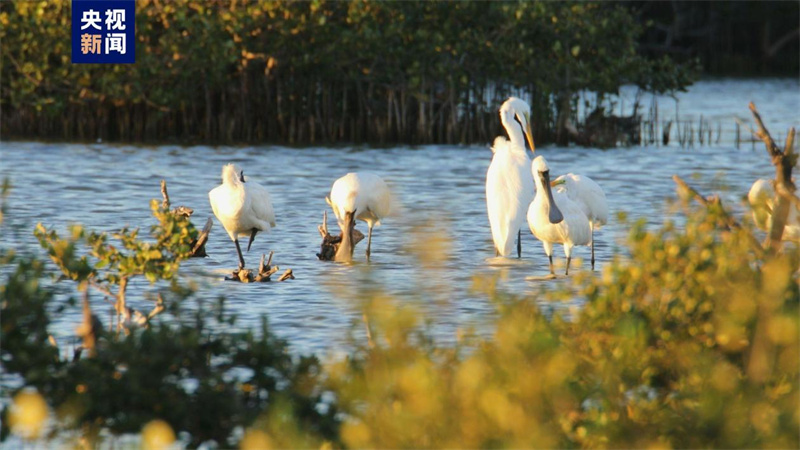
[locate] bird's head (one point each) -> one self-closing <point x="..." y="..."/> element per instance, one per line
<point x="232" y="174"/>
<point x="541" y="173"/>
<point x="539" y="165"/>
<point x="516" y="112"/>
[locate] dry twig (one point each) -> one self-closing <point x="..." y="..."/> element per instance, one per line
<point x="729" y="221"/>
<point x="784" y="162"/>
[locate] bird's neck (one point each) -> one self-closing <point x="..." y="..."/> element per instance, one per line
<point x="231" y="179"/>
<point x="514" y="131"/>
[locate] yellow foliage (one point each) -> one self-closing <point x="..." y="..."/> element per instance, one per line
<point x="157" y="435"/>
<point x="664" y="353"/>
<point x="28" y="414"/>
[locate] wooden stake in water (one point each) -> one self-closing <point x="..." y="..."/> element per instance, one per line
<point x="737" y="135"/>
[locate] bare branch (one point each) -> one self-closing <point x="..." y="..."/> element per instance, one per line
<point x="102" y="288"/>
<point x="199" y="249"/>
<point x="88" y="330"/>
<point x="784" y="186"/>
<point x="729" y="221"/>
<point x="788" y="148"/>
<point x="763" y="133"/>
<point x="165" y="203"/>
<point x="288" y="275"/>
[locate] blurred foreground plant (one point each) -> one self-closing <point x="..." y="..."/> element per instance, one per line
<point x="190" y="374"/>
<point x="690" y="341"/>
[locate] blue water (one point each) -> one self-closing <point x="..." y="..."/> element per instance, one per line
<point x="441" y="189"/>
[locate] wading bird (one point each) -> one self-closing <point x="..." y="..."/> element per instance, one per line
<point x="761" y="199"/>
<point x="509" y="186"/>
<point x="589" y="196"/>
<point x="365" y="195"/>
<point x="242" y="206"/>
<point x="554" y="218"/>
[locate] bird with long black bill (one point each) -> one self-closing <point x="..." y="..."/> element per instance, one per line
<point x="554" y="218"/>
<point x="365" y="196"/>
<point x="243" y="206"/>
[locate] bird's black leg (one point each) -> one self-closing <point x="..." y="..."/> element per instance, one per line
<point x="239" y="251"/>
<point x="552" y="272"/>
<point x="252" y="236"/>
<point x="369" y="242"/>
<point x="569" y="258"/>
<point x="519" y="244"/>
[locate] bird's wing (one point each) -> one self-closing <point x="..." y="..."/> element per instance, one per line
<point x="500" y="142"/>
<point x="588" y="195"/>
<point x="575" y="226"/>
<point x="509" y="192"/>
<point x="376" y="196"/>
<point x="261" y="203"/>
<point x="212" y="199"/>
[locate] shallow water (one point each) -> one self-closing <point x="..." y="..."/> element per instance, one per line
<point x="441" y="189"/>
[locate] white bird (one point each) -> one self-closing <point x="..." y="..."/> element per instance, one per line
<point x="554" y="218"/>
<point x="509" y="186"/>
<point x="761" y="198"/>
<point x="242" y="206"/>
<point x="589" y="196"/>
<point x="365" y="195"/>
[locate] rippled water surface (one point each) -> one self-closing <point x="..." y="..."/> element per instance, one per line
<point x="441" y="188"/>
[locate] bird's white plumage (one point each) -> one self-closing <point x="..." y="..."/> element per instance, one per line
<point x="587" y="194"/>
<point x="573" y="230"/>
<point x="363" y="192"/>
<point x="761" y="198"/>
<point x="241" y="206"/>
<point x="509" y="186"/>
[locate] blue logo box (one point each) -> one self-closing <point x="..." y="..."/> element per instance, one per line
<point x="103" y="31"/>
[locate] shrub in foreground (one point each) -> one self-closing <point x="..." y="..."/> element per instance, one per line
<point x="690" y="341"/>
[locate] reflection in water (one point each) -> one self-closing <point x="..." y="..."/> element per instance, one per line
<point x="439" y="240"/>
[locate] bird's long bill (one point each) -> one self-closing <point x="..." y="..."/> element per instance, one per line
<point x="529" y="136"/>
<point x="555" y="215"/>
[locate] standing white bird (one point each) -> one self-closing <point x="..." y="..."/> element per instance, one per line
<point x="761" y="198"/>
<point x="509" y="186"/>
<point x="589" y="196"/>
<point x="365" y="195"/>
<point x="242" y="206"/>
<point x="554" y="218"/>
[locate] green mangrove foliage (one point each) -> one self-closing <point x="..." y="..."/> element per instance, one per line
<point x="320" y="71"/>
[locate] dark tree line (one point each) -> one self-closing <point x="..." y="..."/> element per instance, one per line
<point x="321" y="72"/>
<point x="729" y="37"/>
